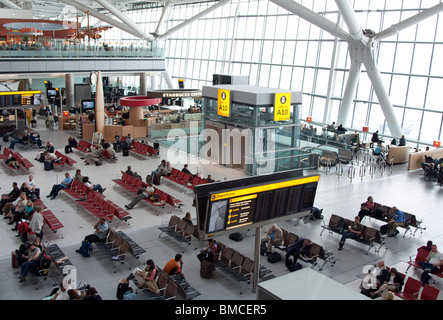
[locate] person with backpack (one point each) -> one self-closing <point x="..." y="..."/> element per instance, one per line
<point x="101" y="229"/>
<point x="210" y="252"/>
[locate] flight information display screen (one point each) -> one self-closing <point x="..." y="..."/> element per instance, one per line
<point x="230" y="209"/>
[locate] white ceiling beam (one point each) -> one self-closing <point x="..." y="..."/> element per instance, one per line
<point x="101" y="16"/>
<point x="131" y="24"/>
<point x="194" y="18"/>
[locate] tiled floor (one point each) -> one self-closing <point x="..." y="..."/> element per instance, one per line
<point x="407" y="190"/>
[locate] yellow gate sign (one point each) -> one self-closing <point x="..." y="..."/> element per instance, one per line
<point x="223" y="103"/>
<point x="282" y="106"/>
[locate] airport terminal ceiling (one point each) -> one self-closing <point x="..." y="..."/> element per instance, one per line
<point x="278" y="49"/>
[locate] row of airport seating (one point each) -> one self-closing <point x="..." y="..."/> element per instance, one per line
<point x="132" y="184"/>
<point x="24" y="164"/>
<point x="185" y="179"/>
<point x="95" y="203"/>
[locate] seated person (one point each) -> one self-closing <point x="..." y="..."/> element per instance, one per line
<point x="41" y="154"/>
<point x="188" y="218"/>
<point x="174" y="266"/>
<point x="50" y="158"/>
<point x="274" y="238"/>
<point x="72" y="143"/>
<point x="32" y="257"/>
<point x="398" y="220"/>
<point x="129" y="171"/>
<point x="160" y="167"/>
<point x="366" y="208"/>
<point x="353" y="232"/>
<point x="93" y="154"/>
<point x="186" y="170"/>
<point x="209" y="178"/>
<point x="101" y="229"/>
<point x="144" y="193"/>
<point x="432" y="264"/>
<point x="33" y="187"/>
<point x="94" y="187"/>
<point x="299" y="249"/>
<point x="11" y="160"/>
<point x="15" y="210"/>
<point x="56" y="188"/>
<point x="393" y="283"/>
<point x="381" y="274"/>
<point x="10" y="197"/>
<point x="377" y="150"/>
<point x="210" y="252"/>
<point x="145" y="278"/>
<point x="402" y="141"/>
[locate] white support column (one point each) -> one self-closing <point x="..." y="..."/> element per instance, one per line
<point x="348" y="15"/>
<point x="162" y="18"/>
<point x="312" y="17"/>
<point x="395" y="28"/>
<point x="131" y="24"/>
<point x="383" y="99"/>
<point x="168" y="79"/>
<point x="348" y="95"/>
<point x="10" y="5"/>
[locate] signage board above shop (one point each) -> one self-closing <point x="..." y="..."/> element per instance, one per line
<point x="176" y="93"/>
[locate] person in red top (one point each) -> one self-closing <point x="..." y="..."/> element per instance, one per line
<point x="210" y="252"/>
<point x="366" y="208"/>
<point x="175" y="266"/>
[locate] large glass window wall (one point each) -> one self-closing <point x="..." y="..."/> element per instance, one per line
<point x="277" y="49"/>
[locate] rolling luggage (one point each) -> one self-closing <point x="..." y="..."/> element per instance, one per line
<point x="156" y="179"/>
<point x="14" y="259"/>
<point x="67" y="149"/>
<point x="384" y="229"/>
<point x="48" y="165"/>
<point x="206" y="269"/>
<point x="125" y="152"/>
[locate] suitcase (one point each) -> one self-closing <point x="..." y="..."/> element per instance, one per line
<point x="117" y="147"/>
<point x="48" y="165"/>
<point x="206" y="269"/>
<point x="125" y="152"/>
<point x="67" y="149"/>
<point x="274" y="257"/>
<point x="5" y="137"/>
<point x="14" y="259"/>
<point x="156" y="179"/>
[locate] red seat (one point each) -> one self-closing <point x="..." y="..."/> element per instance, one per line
<point x="411" y="289"/>
<point x="421" y="256"/>
<point x="429" y="293"/>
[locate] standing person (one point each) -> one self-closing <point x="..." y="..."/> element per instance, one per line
<point x="144" y="193"/>
<point x="432" y="264"/>
<point x="101" y="229"/>
<point x="354" y="230"/>
<point x="56" y="188"/>
<point x="375" y="138"/>
<point x="398" y="220"/>
<point x="174" y="266"/>
<point x="274" y="238"/>
<point x="36" y="222"/>
<point x="402" y="141"/>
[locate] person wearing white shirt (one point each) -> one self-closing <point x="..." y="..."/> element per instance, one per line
<point x="145" y="192"/>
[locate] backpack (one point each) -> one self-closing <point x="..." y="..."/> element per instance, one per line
<point x="86" y="248"/>
<point x="316" y="213"/>
<point x="274" y="257"/>
<point x="294" y="267"/>
<point x="236" y="236"/>
<point x="44" y="262"/>
<point x="341" y="225"/>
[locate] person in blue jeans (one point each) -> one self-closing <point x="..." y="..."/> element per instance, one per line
<point x="353" y="232"/>
<point x="66" y="183"/>
<point x="398" y="220"/>
<point x="432" y="264"/>
<point x="33" y="256"/>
